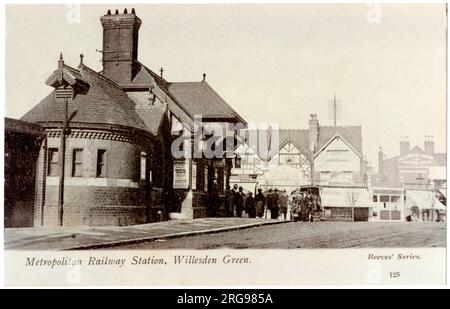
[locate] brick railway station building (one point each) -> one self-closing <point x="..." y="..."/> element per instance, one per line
<point x="119" y="128"/>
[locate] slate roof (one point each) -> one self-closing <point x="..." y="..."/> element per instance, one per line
<point x="352" y="134"/>
<point x="199" y="98"/>
<point x="192" y="98"/>
<point x="152" y="116"/>
<point x="300" y="138"/>
<point x="103" y="103"/>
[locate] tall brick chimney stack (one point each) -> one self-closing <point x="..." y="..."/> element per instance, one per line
<point x="429" y="144"/>
<point x="380" y="161"/>
<point x="313" y="132"/>
<point x="120" y="46"/>
<point x="404" y="145"/>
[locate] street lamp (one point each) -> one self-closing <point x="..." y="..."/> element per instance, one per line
<point x="67" y="84"/>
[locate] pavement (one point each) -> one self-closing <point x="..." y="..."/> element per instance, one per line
<point x="89" y="237"/>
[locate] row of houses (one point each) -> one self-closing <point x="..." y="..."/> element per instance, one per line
<point x="411" y="186"/>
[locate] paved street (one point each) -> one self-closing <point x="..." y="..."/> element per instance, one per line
<point x="315" y="235"/>
<point x="89" y="237"/>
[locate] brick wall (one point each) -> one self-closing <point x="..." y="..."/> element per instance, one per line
<point x="117" y="199"/>
<point x="199" y="205"/>
<point x="96" y="206"/>
<point x="122" y="159"/>
<point x="96" y="215"/>
<point x="41" y="176"/>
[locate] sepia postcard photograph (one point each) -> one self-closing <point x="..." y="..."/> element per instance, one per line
<point x="225" y="144"/>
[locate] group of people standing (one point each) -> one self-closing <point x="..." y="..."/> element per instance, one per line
<point x="256" y="206"/>
<point x="307" y="204"/>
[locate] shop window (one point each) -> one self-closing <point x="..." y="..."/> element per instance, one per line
<point x="384" y="198"/>
<point x="101" y="163"/>
<point x="77" y="163"/>
<point x="385" y="215"/>
<point x="53" y="162"/>
<point x="395" y="198"/>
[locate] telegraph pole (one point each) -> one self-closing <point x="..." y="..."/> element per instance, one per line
<point x="62" y="164"/>
<point x="334" y="109"/>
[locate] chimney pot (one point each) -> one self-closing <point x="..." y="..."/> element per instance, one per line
<point x="404" y="145"/>
<point x="204" y="77"/>
<point x="109" y="12"/>
<point x="429" y="144"/>
<point x="121" y="72"/>
<point x="133" y="11"/>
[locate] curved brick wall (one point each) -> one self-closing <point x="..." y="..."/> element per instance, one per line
<point x="117" y="199"/>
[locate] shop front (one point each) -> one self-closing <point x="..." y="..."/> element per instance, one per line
<point x="424" y="205"/>
<point x="346" y="203"/>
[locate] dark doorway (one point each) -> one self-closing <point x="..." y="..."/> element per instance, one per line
<point x="22" y="143"/>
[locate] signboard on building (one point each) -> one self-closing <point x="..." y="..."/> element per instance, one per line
<point x="180" y="174"/>
<point x="194" y="175"/>
<point x="206" y="179"/>
<point x="224" y="181"/>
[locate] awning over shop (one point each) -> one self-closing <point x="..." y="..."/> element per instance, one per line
<point x="345" y="197"/>
<point x="282" y="176"/>
<point x="423" y="200"/>
<point x="443" y="192"/>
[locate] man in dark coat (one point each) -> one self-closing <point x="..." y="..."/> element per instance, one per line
<point x="229" y="197"/>
<point x="275" y="207"/>
<point x="214" y="202"/>
<point x="249" y="205"/>
<point x="234" y="194"/>
<point x="270" y="201"/>
<point x="260" y="201"/>
<point x="283" y="201"/>
<point x="304" y="208"/>
<point x="239" y="201"/>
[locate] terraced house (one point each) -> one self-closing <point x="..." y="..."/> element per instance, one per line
<point x="119" y="125"/>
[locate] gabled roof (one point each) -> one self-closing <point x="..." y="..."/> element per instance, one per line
<point x="352" y="134"/>
<point x="198" y="98"/>
<point x="299" y="138"/>
<point x="337" y="135"/>
<point x="103" y="103"/>
<point x="65" y="75"/>
<point x="188" y="98"/>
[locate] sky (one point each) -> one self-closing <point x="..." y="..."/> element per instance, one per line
<point x="271" y="63"/>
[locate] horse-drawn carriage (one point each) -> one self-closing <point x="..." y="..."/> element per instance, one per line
<point x="306" y="204"/>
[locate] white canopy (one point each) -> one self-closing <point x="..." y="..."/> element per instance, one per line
<point x="443" y="192"/>
<point x="423" y="200"/>
<point x="284" y="175"/>
<point x="345" y="197"/>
